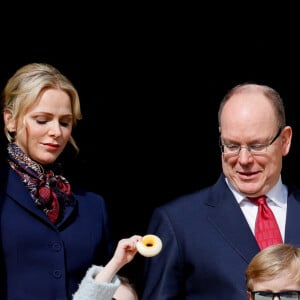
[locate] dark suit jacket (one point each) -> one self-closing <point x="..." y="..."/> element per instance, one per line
<point x="40" y="261"/>
<point x="207" y="245"/>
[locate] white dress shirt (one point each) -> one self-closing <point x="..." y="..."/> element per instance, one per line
<point x="277" y="201"/>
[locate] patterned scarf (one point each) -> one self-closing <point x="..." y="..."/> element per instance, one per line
<point x="50" y="192"/>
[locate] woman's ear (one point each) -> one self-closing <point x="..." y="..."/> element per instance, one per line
<point x="9" y="122"/>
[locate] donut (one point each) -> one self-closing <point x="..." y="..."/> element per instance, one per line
<point x="150" y="245"/>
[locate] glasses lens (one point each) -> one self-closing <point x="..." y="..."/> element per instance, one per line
<point x="289" y="295"/>
<point x="263" y="296"/>
<point x="292" y="295"/>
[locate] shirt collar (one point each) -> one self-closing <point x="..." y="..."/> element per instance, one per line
<point x="277" y="194"/>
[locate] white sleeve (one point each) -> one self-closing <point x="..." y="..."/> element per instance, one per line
<point x="89" y="288"/>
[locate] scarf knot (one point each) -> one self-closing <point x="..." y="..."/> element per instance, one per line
<point x="50" y="192"/>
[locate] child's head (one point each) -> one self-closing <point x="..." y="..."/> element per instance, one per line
<point x="125" y="291"/>
<point x="273" y="270"/>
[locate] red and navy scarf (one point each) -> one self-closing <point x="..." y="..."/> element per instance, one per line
<point x="50" y="192"/>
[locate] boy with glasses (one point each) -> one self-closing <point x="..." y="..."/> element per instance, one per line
<point x="274" y="273"/>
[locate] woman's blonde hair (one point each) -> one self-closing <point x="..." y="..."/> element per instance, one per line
<point x="24" y="88"/>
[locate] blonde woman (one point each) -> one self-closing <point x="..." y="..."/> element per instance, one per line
<point x="51" y="231"/>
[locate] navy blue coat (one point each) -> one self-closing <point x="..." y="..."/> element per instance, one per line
<point x="207" y="245"/>
<point x="40" y="261"/>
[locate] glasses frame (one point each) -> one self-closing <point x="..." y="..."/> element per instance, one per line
<point x="279" y="294"/>
<point x="248" y="147"/>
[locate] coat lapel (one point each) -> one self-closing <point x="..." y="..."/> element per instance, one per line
<point x="16" y="191"/>
<point x="292" y="227"/>
<point x="228" y="218"/>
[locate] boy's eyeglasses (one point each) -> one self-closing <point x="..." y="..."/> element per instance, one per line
<point x="286" y="295"/>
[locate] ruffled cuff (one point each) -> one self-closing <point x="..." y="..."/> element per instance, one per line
<point x="89" y="288"/>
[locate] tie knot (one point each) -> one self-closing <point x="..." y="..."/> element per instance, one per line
<point x="258" y="200"/>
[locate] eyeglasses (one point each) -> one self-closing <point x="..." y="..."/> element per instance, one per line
<point x="286" y="295"/>
<point x="254" y="149"/>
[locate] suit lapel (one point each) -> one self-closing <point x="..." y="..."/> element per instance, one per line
<point x="292" y="227"/>
<point x="229" y="220"/>
<point x="17" y="191"/>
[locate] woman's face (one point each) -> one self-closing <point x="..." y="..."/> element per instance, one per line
<point x="47" y="127"/>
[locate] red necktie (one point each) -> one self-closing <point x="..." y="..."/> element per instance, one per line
<point x="266" y="228"/>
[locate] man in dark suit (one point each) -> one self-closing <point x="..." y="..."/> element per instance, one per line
<point x="208" y="236"/>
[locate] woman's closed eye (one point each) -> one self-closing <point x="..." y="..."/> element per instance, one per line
<point x="61" y="122"/>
